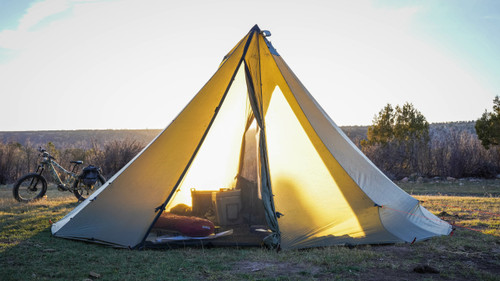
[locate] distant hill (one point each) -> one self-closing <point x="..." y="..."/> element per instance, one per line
<point x="77" y="138"/>
<point x="84" y="138"/>
<point x="468" y="126"/>
<point x="355" y="133"/>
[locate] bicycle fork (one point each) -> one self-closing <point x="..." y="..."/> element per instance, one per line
<point x="34" y="181"/>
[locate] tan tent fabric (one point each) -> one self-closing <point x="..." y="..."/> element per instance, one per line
<point x="255" y="130"/>
<point x="125" y="208"/>
<point x="369" y="179"/>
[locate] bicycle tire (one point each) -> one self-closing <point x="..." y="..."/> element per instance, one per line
<point x="29" y="188"/>
<point x="83" y="191"/>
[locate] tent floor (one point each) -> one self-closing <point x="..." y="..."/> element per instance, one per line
<point x="242" y="235"/>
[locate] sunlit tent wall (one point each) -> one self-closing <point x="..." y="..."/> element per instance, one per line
<point x="252" y="159"/>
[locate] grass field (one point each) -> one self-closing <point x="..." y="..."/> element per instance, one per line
<point x="463" y="187"/>
<point x="29" y="252"/>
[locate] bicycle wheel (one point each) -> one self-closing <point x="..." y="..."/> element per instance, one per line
<point x="29" y="188"/>
<point x="82" y="191"/>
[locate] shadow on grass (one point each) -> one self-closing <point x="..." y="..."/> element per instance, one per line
<point x="29" y="252"/>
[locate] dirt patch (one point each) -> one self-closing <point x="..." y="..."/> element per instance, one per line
<point x="426" y="260"/>
<point x="293" y="271"/>
<point x="386" y="274"/>
<point x="274" y="269"/>
<point x="431" y="261"/>
<point x="398" y="251"/>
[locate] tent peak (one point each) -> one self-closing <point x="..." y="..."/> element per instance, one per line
<point x="255" y="28"/>
<point x="265" y="33"/>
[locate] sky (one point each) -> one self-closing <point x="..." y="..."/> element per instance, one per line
<point x="126" y="64"/>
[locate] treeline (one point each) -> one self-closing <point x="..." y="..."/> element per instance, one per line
<point x="402" y="143"/>
<point x="17" y="159"/>
<point x="78" y="138"/>
<point x="451" y="150"/>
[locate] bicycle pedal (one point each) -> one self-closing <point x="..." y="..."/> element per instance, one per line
<point x="61" y="187"/>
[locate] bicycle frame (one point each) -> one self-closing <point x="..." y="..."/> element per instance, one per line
<point x="52" y="165"/>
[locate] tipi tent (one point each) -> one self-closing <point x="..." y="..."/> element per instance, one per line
<point x="255" y="155"/>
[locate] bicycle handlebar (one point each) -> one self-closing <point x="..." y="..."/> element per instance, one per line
<point x="45" y="153"/>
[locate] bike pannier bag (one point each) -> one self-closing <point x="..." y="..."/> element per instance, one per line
<point x="90" y="174"/>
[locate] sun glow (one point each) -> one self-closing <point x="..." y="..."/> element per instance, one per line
<point x="296" y="169"/>
<point x="216" y="163"/>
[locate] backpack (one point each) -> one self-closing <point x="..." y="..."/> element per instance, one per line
<point x="90" y="175"/>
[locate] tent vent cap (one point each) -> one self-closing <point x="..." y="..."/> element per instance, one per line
<point x="266" y="33"/>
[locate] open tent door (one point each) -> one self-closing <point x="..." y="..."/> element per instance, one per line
<point x="221" y="184"/>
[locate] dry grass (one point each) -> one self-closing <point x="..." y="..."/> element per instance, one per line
<point x="475" y="213"/>
<point x="29" y="252"/>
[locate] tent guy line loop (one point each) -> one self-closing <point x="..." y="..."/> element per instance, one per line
<point x="162" y="206"/>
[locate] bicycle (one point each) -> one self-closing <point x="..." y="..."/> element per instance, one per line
<point x="33" y="186"/>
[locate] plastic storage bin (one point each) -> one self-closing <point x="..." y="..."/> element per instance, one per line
<point x="227" y="205"/>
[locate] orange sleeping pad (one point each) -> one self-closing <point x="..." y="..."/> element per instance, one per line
<point x="187" y="225"/>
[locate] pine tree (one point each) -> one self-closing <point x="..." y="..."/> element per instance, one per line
<point x="488" y="126"/>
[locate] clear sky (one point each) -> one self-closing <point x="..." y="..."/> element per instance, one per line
<point x="114" y="64"/>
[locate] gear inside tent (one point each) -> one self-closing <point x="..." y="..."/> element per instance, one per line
<point x="252" y="159"/>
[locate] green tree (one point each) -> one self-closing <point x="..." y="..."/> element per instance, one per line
<point x="398" y="140"/>
<point x="488" y="126"/>
<point x="410" y="124"/>
<point x="382" y="130"/>
<point x="403" y="124"/>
